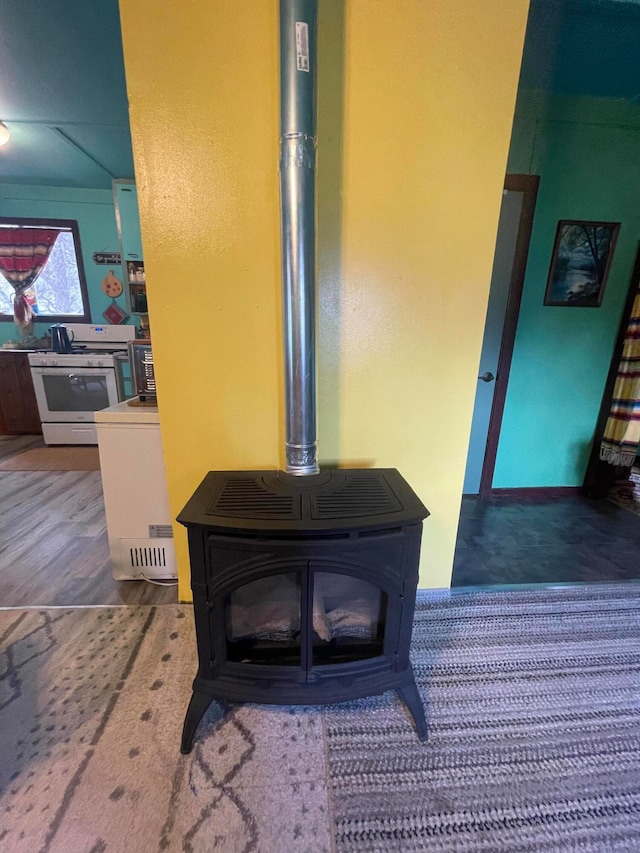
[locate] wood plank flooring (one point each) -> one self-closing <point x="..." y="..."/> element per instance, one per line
<point x="12" y="444"/>
<point x="53" y="541"/>
<point x="66" y="458"/>
<point x="54" y="550"/>
<point x="503" y="541"/>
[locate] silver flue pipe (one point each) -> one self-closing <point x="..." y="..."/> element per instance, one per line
<point x="298" y="24"/>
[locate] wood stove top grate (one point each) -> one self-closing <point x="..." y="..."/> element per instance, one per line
<point x="250" y="498"/>
<point x="358" y="496"/>
<point x="354" y="495"/>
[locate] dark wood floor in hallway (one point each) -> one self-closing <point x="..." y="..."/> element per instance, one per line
<point x="504" y="541"/>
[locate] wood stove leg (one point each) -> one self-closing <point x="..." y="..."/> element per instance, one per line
<point x="195" y="712"/>
<point x="411" y="698"/>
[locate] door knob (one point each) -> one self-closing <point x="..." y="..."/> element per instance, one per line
<point x="487" y="377"/>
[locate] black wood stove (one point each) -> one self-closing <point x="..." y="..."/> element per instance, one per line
<point x="304" y="583"/>
<point x="303" y="588"/>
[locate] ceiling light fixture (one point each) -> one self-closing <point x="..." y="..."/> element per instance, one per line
<point x="4" y="133"/>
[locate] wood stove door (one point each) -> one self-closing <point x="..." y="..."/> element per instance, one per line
<point x="349" y="616"/>
<point x="304" y="618"/>
<point x="301" y="617"/>
<point x="263" y="620"/>
<point x="290" y="612"/>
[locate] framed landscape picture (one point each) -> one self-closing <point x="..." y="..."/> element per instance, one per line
<point x="582" y="255"/>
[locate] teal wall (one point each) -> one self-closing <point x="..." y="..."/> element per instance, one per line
<point x="93" y="210"/>
<point x="587" y="153"/>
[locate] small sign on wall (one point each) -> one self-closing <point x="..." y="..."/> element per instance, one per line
<point x="106" y="258"/>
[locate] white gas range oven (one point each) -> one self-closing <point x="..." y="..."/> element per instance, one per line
<point x="71" y="386"/>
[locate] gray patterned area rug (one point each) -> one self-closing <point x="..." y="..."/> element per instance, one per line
<point x="532" y="699"/>
<point x="533" y="705"/>
<point x="91" y="709"/>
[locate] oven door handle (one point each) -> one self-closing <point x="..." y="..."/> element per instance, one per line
<point x="58" y="370"/>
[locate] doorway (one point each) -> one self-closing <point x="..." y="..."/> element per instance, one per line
<point x="547" y="536"/>
<point x="505" y="295"/>
<point x="524" y="519"/>
<point x="65" y="106"/>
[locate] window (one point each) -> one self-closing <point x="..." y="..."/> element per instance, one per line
<point x="60" y="291"/>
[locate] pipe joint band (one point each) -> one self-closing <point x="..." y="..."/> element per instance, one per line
<point x="297" y="151"/>
<point x="302" y="459"/>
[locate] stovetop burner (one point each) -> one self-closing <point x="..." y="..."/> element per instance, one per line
<point x="84" y="350"/>
<point x="77" y="358"/>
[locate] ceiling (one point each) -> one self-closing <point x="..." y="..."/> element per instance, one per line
<point x="63" y="94"/>
<point x="583" y="47"/>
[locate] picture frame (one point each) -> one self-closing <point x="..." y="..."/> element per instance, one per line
<point x="580" y="263"/>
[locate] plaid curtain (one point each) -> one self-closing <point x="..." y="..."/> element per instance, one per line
<point x="622" y="432"/>
<point x="24" y="253"/>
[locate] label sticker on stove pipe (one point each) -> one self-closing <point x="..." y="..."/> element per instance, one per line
<point x="302" y="45"/>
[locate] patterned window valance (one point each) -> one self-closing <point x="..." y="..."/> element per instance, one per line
<point x="24" y="253"/>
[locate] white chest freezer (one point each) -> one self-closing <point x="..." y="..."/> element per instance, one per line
<point x="135" y="493"/>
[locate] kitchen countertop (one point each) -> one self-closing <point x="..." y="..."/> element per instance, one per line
<point x="122" y="413"/>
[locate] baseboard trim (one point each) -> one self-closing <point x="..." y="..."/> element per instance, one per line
<point x="538" y="492"/>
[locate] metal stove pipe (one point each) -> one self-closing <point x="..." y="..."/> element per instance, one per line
<point x="298" y="23"/>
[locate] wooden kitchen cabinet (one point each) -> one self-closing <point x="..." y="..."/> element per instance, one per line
<point x="18" y="407"/>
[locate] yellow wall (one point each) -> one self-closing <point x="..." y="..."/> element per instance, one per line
<point x="415" y="108"/>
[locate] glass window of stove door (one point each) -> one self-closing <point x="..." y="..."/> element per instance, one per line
<point x="349" y="618"/>
<point x="76" y="392"/>
<point x="263" y="621"/>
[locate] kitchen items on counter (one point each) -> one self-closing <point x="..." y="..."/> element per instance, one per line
<point x="61" y="338"/>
